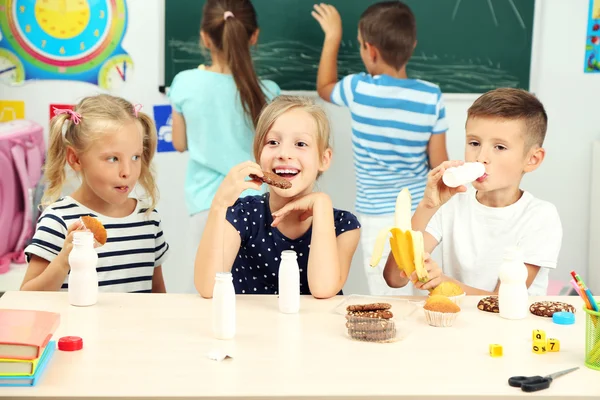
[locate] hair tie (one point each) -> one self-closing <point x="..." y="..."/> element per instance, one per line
<point x="74" y="117"/>
<point x="228" y="14"/>
<point x="136" y="109"/>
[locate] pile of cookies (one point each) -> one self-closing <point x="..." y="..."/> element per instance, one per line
<point x="370" y="322"/>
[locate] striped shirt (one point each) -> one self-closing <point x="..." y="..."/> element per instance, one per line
<point x="135" y="244"/>
<point x="392" y="122"/>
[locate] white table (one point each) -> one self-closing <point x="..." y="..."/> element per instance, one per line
<point x="140" y="345"/>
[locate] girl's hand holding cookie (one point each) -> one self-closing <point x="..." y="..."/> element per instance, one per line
<point x="235" y="183"/>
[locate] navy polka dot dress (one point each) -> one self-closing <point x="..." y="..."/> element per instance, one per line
<point x="257" y="263"/>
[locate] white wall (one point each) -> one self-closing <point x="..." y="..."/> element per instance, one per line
<point x="557" y="78"/>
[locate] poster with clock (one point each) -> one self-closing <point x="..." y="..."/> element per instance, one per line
<point x="78" y="40"/>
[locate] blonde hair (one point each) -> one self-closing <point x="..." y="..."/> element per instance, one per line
<point x="282" y="104"/>
<point x="99" y="114"/>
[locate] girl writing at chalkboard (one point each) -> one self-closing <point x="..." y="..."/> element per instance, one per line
<point x="216" y="106"/>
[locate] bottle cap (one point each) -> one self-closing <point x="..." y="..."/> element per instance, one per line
<point x="563" y="318"/>
<point x="70" y="343"/>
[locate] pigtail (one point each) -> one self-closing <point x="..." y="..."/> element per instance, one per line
<point x="147" y="180"/>
<point x="56" y="159"/>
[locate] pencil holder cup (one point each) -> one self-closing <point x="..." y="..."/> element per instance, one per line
<point x="592" y="339"/>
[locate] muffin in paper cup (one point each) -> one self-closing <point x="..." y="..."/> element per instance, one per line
<point x="440" y="311"/>
<point x="450" y="290"/>
<point x="440" y="319"/>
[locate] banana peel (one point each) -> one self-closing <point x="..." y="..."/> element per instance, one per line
<point x="407" y="245"/>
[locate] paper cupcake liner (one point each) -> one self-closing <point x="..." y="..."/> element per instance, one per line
<point x="457" y="299"/>
<point x="440" y="319"/>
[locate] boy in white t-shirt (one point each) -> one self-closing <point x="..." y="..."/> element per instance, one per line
<point x="505" y="131"/>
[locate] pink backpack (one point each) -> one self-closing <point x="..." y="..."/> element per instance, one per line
<point x="22" y="154"/>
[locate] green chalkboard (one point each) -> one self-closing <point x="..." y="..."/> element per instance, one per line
<point x="465" y="46"/>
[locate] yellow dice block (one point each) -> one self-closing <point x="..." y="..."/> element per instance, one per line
<point x="539" y="347"/>
<point x="539" y="334"/>
<point x="495" y="350"/>
<point x="553" y="345"/>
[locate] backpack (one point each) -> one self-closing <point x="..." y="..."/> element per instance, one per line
<point x="22" y="155"/>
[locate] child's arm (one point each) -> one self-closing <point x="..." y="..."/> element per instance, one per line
<point x="436" y="194"/>
<point x="213" y="255"/>
<point x="330" y="256"/>
<point x="436" y="150"/>
<point x="158" y="282"/>
<point x="331" y="23"/>
<point x="179" y="132"/>
<point x="42" y="275"/>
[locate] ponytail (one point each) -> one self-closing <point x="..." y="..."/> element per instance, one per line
<point x="239" y="60"/>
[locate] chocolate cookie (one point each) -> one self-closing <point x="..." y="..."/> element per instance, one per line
<point x="372" y="336"/>
<point x="370" y="324"/>
<point x="489" y="304"/>
<point x="272" y="179"/>
<point x="382" y="314"/>
<point x="369" y="307"/>
<point x="548" y="308"/>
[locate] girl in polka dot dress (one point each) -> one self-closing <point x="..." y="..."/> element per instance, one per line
<point x="247" y="235"/>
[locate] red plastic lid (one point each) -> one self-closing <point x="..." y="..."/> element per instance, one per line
<point x="70" y="343"/>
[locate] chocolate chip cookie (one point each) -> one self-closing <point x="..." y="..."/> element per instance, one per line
<point x="548" y="308"/>
<point x="489" y="304"/>
<point x="382" y="314"/>
<point x="272" y="179"/>
<point x="369" y="307"/>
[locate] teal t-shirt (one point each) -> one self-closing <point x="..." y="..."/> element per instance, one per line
<point x="219" y="134"/>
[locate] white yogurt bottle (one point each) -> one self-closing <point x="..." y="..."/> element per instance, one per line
<point x="461" y="175"/>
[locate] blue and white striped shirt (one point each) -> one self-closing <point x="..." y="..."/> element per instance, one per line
<point x="392" y="122"/>
<point x="135" y="244"/>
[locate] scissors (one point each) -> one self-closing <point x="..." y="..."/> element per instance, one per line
<point x="535" y="383"/>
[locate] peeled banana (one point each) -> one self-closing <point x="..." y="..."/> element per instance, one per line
<point x="407" y="245"/>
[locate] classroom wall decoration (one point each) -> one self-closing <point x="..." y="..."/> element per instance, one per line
<point x="592" y="40"/>
<point x="163" y="121"/>
<point x="10" y="110"/>
<point x="78" y="40"/>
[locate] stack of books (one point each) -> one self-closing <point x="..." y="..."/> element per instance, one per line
<point x="26" y="347"/>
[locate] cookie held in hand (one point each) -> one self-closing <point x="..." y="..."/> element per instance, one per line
<point x="96" y="227"/>
<point x="272" y="179"/>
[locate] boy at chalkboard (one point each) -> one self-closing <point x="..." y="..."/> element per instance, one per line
<point x="398" y="124"/>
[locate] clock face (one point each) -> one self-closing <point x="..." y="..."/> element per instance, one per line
<point x="62" y="19"/>
<point x="62" y="30"/>
<point x="63" y="35"/>
<point x="115" y="72"/>
<point x="11" y="68"/>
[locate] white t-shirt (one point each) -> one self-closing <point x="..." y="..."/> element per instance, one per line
<point x="474" y="238"/>
<point x="135" y="244"/>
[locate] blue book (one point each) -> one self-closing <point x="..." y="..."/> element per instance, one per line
<point x="33" y="379"/>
